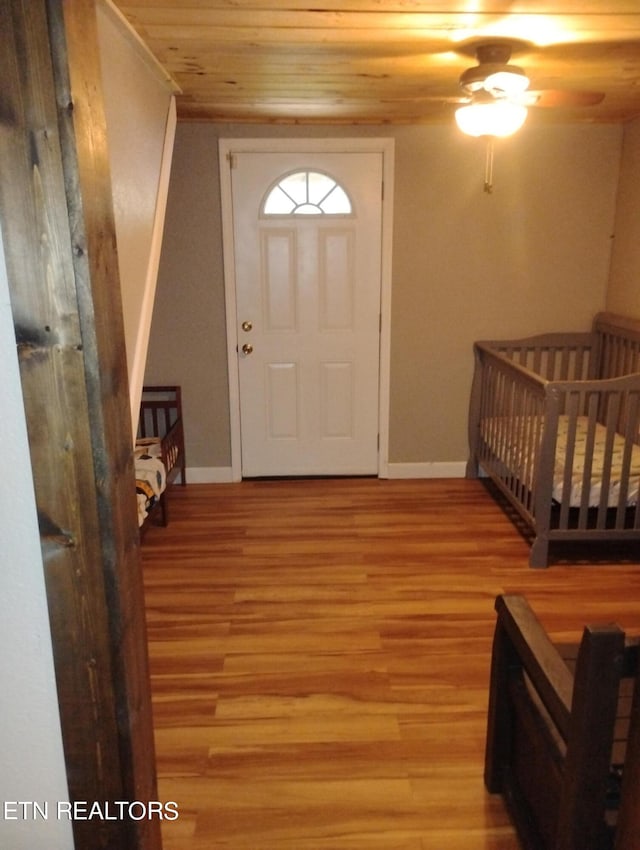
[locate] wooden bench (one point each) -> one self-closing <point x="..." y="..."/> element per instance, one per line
<point x="563" y="734"/>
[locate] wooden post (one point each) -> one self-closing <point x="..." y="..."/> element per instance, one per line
<point x="628" y="832"/>
<point x="581" y="807"/>
<point x="59" y="235"/>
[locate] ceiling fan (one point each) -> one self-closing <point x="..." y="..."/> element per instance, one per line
<point x="496" y="98"/>
<point x="503" y="89"/>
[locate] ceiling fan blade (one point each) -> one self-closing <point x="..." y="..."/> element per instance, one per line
<point x="563" y="97"/>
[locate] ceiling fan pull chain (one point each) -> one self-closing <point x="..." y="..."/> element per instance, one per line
<point x="488" y="167"/>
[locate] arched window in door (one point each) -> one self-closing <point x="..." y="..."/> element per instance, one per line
<point x="307" y="193"/>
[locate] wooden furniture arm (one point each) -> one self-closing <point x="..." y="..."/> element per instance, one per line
<point x="581" y="706"/>
<point x="538" y="656"/>
<point x="521" y="643"/>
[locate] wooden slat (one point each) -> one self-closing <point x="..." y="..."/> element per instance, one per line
<point x="501" y="7"/>
<point x="185" y="21"/>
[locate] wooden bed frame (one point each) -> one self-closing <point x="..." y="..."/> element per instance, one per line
<point x="563" y="736"/>
<point x="554" y="422"/>
<point x="161" y="419"/>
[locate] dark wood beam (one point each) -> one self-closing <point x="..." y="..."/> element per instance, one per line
<point x="59" y="236"/>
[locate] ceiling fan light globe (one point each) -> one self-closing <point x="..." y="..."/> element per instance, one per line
<point x="511" y="81"/>
<point x="498" y="118"/>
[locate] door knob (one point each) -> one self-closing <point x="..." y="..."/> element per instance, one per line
<point x="247" y="348"/>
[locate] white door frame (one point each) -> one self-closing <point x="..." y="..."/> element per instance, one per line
<point x="228" y="147"/>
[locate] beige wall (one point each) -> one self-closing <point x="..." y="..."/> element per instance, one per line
<point x="624" y="286"/>
<point x="138" y="99"/>
<point x="532" y="256"/>
<point x="188" y="338"/>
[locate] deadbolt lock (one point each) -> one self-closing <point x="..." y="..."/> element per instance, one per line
<point x="247" y="326"/>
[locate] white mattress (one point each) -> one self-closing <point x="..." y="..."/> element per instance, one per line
<point x="514" y="454"/>
<point x="597" y="467"/>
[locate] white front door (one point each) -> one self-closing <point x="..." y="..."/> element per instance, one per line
<point x="307" y="270"/>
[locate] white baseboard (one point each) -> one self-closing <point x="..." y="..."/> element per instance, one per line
<point x="209" y="475"/>
<point x="451" y="469"/>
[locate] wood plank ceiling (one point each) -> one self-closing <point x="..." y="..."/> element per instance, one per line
<point x="385" y="61"/>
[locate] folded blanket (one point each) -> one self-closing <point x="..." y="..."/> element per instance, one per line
<point x="151" y="475"/>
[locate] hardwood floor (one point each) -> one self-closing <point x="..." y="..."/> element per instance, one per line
<point x="320" y="656"/>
